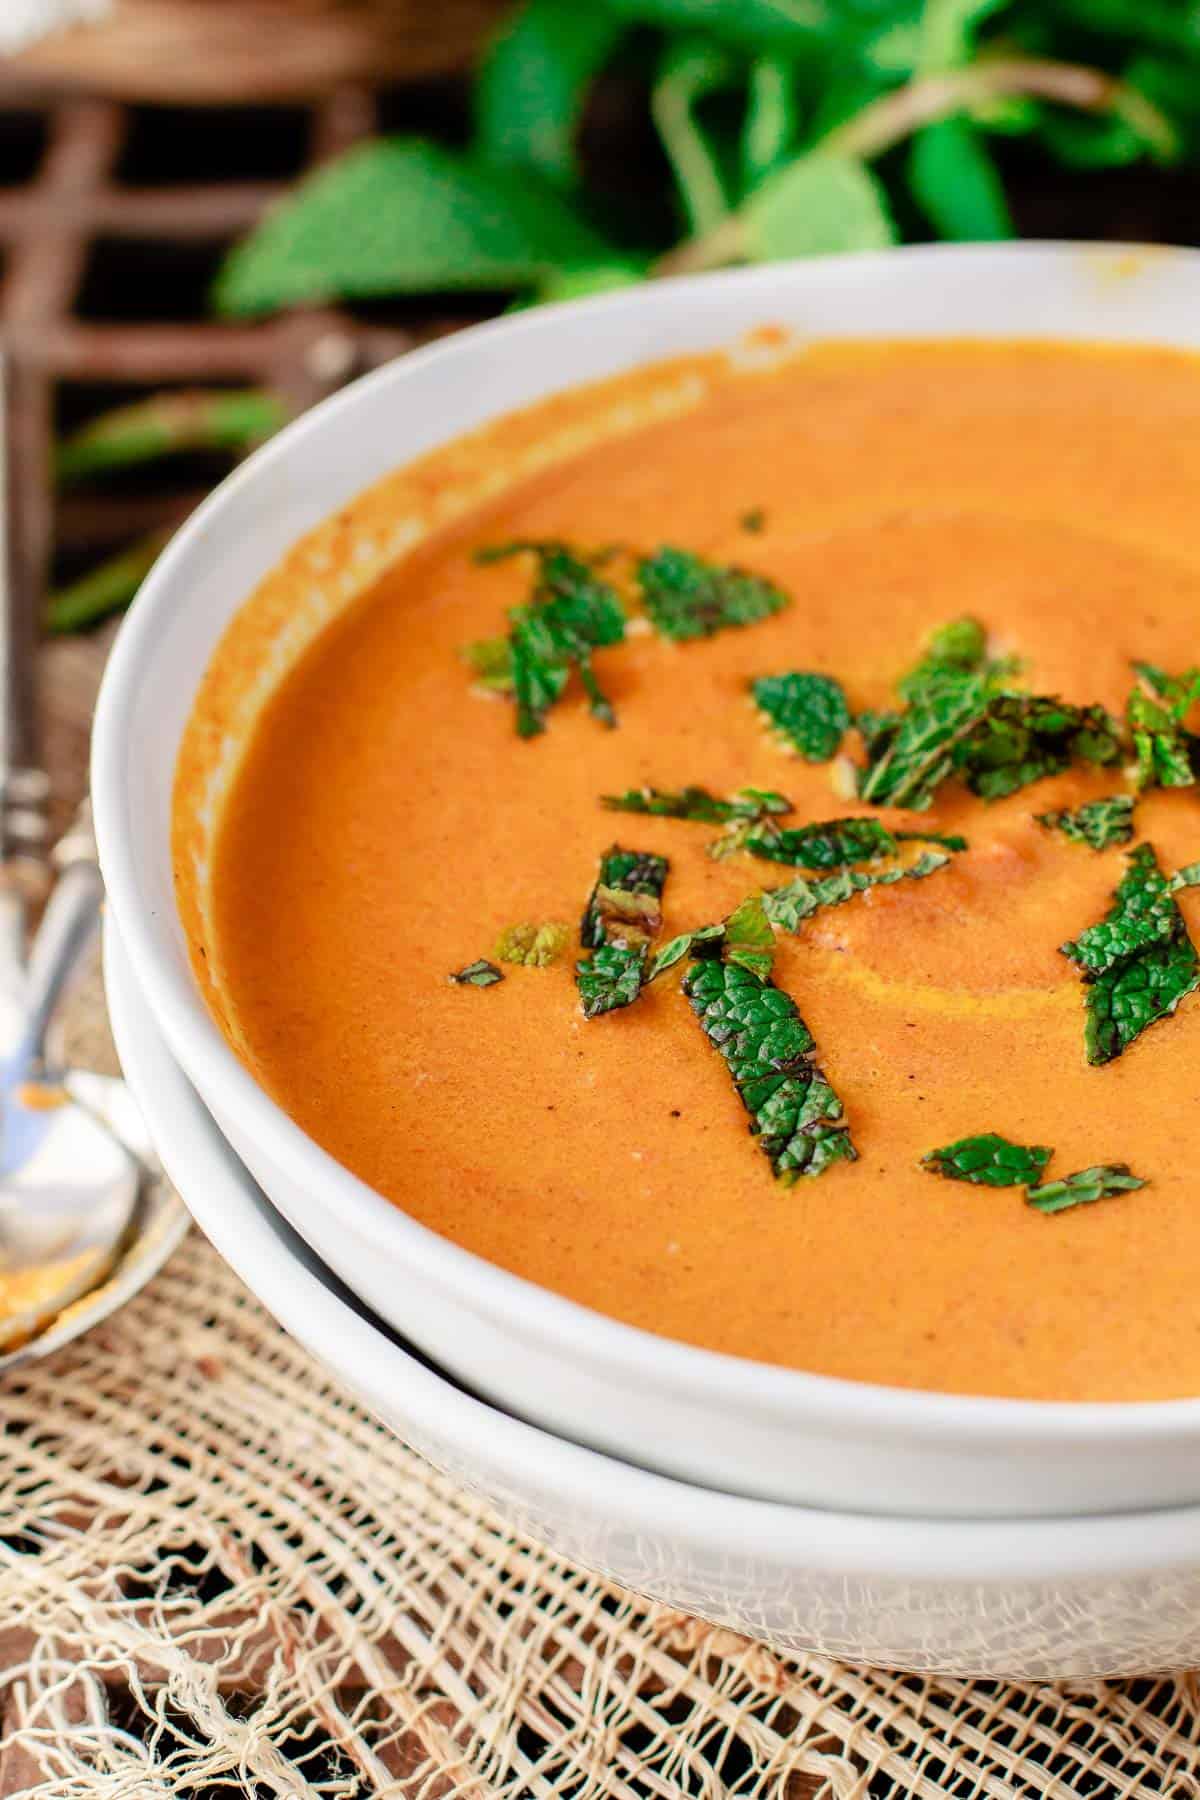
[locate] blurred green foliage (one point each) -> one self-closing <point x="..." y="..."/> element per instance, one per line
<point x="776" y="118"/>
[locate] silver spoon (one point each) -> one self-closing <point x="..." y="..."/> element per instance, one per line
<point x="68" y="1186"/>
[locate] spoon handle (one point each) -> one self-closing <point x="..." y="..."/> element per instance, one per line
<point x="24" y="788"/>
<point x="64" y="936"/>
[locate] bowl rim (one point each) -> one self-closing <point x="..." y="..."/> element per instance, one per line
<point x="837" y="1405"/>
<point x="269" y="1256"/>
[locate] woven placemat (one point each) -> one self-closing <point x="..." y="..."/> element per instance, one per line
<point x="219" y="1576"/>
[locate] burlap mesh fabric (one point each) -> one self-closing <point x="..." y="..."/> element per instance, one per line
<point x="220" y="1577"/>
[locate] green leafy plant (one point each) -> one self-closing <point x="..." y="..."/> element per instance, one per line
<point x="780" y="121"/>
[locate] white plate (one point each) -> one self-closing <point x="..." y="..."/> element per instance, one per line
<point x="734" y="1423"/>
<point x="1032" y="1599"/>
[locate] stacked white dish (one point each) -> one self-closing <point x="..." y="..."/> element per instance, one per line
<point x="1029" y="1546"/>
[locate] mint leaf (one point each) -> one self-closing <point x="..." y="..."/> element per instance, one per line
<point x="1021" y="738"/>
<point x="988" y="1161"/>
<point x="957" y="648"/>
<point x="533" y="80"/>
<point x="768" y="1050"/>
<point x="956" y="184"/>
<point x="621" y="920"/>
<point x="747" y="24"/>
<point x="749" y="940"/>
<point x="961" y="720"/>
<point x="808" y="712"/>
<point x="478" y="974"/>
<point x="1138" y="963"/>
<point x="403" y="216"/>
<point x="910" y="754"/>
<point x="1143" y="913"/>
<point x="1098" y="823"/>
<point x="828" y="844"/>
<point x="697" y="804"/>
<point x="610" y="979"/>
<point x="1155" y="713"/>
<point x="788" y="907"/>
<point x="571" y="611"/>
<point x="535" y="946"/>
<point x="1084" y="1187"/>
<point x="687" y="597"/>
<point x="745" y="937"/>
<point x="818" y="205"/>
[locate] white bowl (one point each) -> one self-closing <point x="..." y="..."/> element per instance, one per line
<point x="726" y="1421"/>
<point x="1030" y="1599"/>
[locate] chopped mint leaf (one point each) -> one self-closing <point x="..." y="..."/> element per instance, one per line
<point x="697" y="804"/>
<point x="1155" y="713"/>
<point x="1085" y="1186"/>
<point x="829" y="844"/>
<point x="611" y="978"/>
<point x="1124" y="1002"/>
<point x="788" y="907"/>
<point x="1187" y="877"/>
<point x="745" y="937"/>
<point x="1098" y="823"/>
<point x="478" y="974"/>
<point x="679" y="947"/>
<point x="911" y="753"/>
<point x="622" y="918"/>
<point x="749" y="940"/>
<point x="807" y="712"/>
<point x="962" y="720"/>
<point x="1138" y="962"/>
<point x="989" y="1161"/>
<point x="687" y="597"/>
<point x="537" y="946"/>
<point x="959" y="648"/>
<point x="754" y="520"/>
<point x="768" y="1050"/>
<point x="1143" y="913"/>
<point x="571" y="612"/>
<point x="1021" y="738"/>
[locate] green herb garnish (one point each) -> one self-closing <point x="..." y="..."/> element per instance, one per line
<point x="837" y="843"/>
<point x="1155" y="713"/>
<point x="767" y="1048"/>
<point x="622" y="918"/>
<point x="1021" y="738"/>
<point x="536" y="946"/>
<point x="959" y="648"/>
<point x="788" y="907"/>
<point x="697" y="804"/>
<point x="1098" y="823"/>
<point x="961" y="719"/>
<point x="1085" y="1186"/>
<point x="1138" y="962"/>
<point x="988" y="1161"/>
<point x="807" y="712"/>
<point x="687" y="597"/>
<point x="571" y="612"/>
<point x="478" y="974"/>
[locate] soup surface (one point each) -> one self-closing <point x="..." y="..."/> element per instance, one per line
<point x="387" y="823"/>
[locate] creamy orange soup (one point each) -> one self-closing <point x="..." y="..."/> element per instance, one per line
<point x="385" y="823"/>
